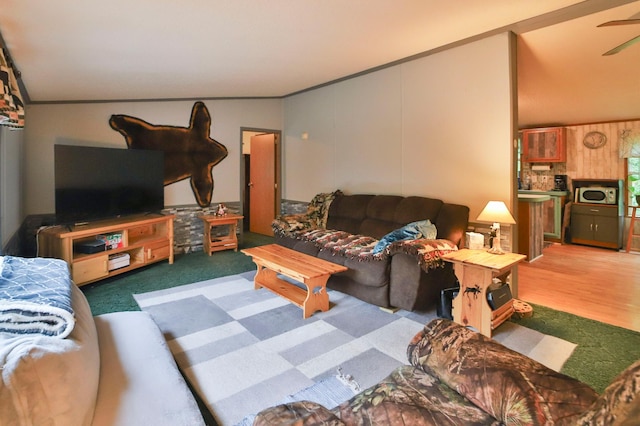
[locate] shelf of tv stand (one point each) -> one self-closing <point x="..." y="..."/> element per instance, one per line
<point x="147" y="239"/>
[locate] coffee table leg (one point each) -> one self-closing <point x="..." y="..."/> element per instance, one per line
<point x="261" y="276"/>
<point x="317" y="296"/>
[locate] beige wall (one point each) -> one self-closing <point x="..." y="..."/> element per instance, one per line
<point x="438" y="126"/>
<point x="11" y="212"/>
<point x="87" y="124"/>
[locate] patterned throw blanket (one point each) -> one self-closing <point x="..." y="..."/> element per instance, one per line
<point x="428" y="253"/>
<point x="311" y="226"/>
<point x="35" y="297"/>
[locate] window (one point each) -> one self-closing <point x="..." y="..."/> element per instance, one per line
<point x="632" y="185"/>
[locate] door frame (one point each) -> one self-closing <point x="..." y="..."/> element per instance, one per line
<point x="278" y="174"/>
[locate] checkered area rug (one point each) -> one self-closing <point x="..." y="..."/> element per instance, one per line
<point x="244" y="350"/>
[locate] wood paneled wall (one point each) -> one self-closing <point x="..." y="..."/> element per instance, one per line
<point x="600" y="163"/>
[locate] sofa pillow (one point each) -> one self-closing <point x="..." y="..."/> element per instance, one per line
<point x="620" y="402"/>
<point x="51" y="381"/>
<point x="512" y="388"/>
<point x="411" y="231"/>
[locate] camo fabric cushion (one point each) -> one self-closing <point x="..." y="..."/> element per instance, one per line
<point x="315" y="217"/>
<point x="301" y="413"/>
<point x="509" y="386"/>
<point x="620" y="402"/>
<point x="409" y="396"/>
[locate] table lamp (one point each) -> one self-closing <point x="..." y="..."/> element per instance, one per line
<point x="497" y="213"/>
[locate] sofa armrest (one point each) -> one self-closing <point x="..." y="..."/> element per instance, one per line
<point x="505" y="384"/>
<point x="140" y="383"/>
<point x="297" y="413"/>
<point x="620" y="402"/>
<point x="48" y="380"/>
<point x="428" y="253"/>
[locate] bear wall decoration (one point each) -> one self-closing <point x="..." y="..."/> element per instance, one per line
<point x="189" y="152"/>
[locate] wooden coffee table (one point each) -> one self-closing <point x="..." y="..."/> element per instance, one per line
<point x="274" y="259"/>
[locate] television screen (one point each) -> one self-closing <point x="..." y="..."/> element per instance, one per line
<point x="99" y="183"/>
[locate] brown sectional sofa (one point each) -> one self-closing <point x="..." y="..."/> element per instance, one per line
<point x="408" y="275"/>
<point x="460" y="377"/>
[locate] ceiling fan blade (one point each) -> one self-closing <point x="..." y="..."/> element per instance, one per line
<point x="620" y="22"/>
<point x="622" y="46"/>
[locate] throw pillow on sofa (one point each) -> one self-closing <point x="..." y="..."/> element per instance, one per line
<point x="412" y="231"/>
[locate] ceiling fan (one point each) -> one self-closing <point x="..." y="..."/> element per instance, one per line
<point x="626" y="43"/>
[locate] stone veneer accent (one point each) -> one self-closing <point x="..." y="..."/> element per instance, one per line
<point x="293" y="207"/>
<point x="188" y="228"/>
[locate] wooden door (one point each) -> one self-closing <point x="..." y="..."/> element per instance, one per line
<point x="262" y="183"/>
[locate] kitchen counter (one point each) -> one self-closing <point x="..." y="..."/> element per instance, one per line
<point x="552" y="212"/>
<point x="533" y="191"/>
<point x="530" y="197"/>
<point x="530" y="223"/>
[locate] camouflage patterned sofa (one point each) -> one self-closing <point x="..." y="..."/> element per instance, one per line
<point x="459" y="377"/>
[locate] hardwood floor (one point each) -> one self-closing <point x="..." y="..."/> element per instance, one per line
<point x="595" y="283"/>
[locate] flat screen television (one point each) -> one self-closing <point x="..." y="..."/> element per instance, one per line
<point x="94" y="183"/>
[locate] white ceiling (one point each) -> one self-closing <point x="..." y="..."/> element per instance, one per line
<point x="95" y="50"/>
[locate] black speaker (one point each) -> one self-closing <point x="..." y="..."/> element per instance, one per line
<point x="445" y="304"/>
<point x="498" y="296"/>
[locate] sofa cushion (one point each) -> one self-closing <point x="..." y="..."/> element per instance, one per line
<point x="411" y="231"/>
<point x="346" y="213"/>
<point x="140" y="383"/>
<point x="411" y="209"/>
<point x="509" y="386"/>
<point x="299" y="413"/>
<point x="409" y="396"/>
<point x="51" y="381"/>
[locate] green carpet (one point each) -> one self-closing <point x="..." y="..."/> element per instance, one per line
<point x="115" y="294"/>
<point x="603" y="350"/>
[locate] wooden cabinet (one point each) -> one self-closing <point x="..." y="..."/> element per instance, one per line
<point x="544" y="145"/>
<point x="596" y="225"/>
<point x="145" y="239"/>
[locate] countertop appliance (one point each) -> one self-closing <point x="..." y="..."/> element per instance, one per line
<point x="597" y="195"/>
<point x="560" y="183"/>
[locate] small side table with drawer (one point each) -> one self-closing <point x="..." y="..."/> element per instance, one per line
<point x="475" y="270"/>
<point x="228" y="241"/>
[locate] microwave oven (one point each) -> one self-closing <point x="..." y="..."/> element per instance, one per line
<point x="597" y="195"/>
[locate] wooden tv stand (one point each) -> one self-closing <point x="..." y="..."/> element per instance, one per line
<point x="146" y="239"/>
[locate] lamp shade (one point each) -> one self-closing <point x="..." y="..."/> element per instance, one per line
<point x="496" y="212"/>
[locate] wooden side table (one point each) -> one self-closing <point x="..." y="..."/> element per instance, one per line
<point x="219" y="243"/>
<point x="475" y="270"/>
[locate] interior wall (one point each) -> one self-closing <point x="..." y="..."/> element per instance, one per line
<point x="600" y="163"/>
<point x="11" y="212"/>
<point x="438" y="126"/>
<point x="88" y="124"/>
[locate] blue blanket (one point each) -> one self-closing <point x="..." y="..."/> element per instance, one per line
<point x="35" y="296"/>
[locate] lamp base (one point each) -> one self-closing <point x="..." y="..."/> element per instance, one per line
<point x="495" y="250"/>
